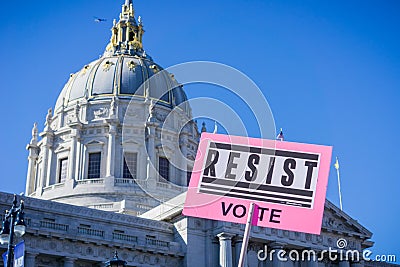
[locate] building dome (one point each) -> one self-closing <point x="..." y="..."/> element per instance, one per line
<point x="124" y="76"/>
<point x="120" y="135"/>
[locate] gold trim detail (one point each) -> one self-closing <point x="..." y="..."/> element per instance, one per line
<point x="85" y="69"/>
<point x="155" y="68"/>
<point x="107" y="65"/>
<point x="131" y="65"/>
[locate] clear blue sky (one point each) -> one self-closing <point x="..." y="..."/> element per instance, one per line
<point x="329" y="69"/>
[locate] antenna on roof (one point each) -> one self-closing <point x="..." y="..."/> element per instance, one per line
<point x="338" y="177"/>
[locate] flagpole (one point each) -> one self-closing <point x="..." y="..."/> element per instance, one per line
<point x="246" y="236"/>
<point x="338" y="177"/>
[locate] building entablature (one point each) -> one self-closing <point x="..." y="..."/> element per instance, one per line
<point x="59" y="229"/>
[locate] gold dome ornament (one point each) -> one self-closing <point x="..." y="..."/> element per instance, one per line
<point x="126" y="34"/>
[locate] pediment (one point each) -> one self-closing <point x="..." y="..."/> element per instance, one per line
<point x="130" y="142"/>
<point x="61" y="148"/>
<point x="335" y="220"/>
<point x="95" y="143"/>
<point x="165" y="149"/>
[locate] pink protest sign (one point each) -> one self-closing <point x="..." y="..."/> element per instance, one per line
<point x="287" y="181"/>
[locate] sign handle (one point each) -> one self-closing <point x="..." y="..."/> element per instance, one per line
<point x="246" y="236"/>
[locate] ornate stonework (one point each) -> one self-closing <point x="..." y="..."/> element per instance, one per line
<point x="113" y="107"/>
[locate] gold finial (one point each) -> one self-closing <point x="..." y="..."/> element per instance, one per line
<point x="126" y="37"/>
<point x="127" y="9"/>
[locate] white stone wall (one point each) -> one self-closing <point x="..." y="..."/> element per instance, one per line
<point x="100" y="126"/>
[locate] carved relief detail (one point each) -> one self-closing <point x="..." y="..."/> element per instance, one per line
<point x="100" y="113"/>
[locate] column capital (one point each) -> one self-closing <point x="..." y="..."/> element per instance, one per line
<point x="75" y="125"/>
<point x="277" y="245"/>
<point x="31" y="254"/>
<point x="31" y="146"/>
<point x="48" y="133"/>
<point x="151" y="124"/>
<point x="75" y="131"/>
<point x="238" y="239"/>
<point x="225" y="236"/>
<point x="69" y="262"/>
<point x="112" y="128"/>
<point x="112" y="122"/>
<point x="47" y="139"/>
<point x="33" y="155"/>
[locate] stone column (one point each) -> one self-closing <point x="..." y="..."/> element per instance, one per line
<point x="72" y="154"/>
<point x="238" y="247"/>
<point x="111" y="150"/>
<point x="78" y="160"/>
<point x="225" y="250"/>
<point x="69" y="262"/>
<point x="308" y="259"/>
<point x="33" y="149"/>
<point x="215" y="252"/>
<point x="344" y="263"/>
<point x="183" y="167"/>
<point x="47" y="139"/>
<point x="61" y="116"/>
<point x="30" y="259"/>
<point x="81" y="156"/>
<point x="47" y="142"/>
<point x="312" y="263"/>
<point x="276" y="262"/>
<point x="45" y="158"/>
<point x="31" y="174"/>
<point x="151" y="159"/>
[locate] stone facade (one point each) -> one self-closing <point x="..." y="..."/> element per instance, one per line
<point x="61" y="235"/>
<point x="218" y="243"/>
<point x="67" y="235"/>
<point x="121" y="104"/>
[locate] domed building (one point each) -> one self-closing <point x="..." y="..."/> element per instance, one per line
<point x="110" y="169"/>
<point x="102" y="146"/>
